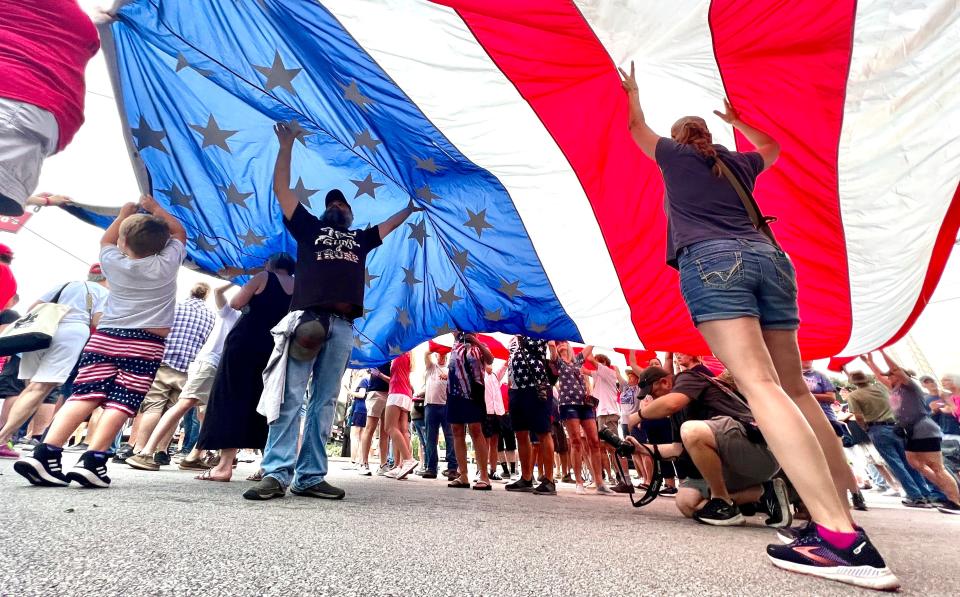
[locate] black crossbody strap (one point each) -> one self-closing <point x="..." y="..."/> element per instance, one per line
<point x="56" y="297"/>
<point x="760" y="221"/>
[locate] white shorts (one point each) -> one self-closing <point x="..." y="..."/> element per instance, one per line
<point x="402" y="400"/>
<point x="55" y="364"/>
<point x="28" y="135"/>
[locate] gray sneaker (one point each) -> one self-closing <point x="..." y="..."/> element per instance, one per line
<point x="602" y="489"/>
<point x="321" y="490"/>
<point x="265" y="489"/>
<point x="384" y="469"/>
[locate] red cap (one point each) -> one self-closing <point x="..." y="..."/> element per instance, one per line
<point x="5" y="250"/>
<point x="96" y="270"/>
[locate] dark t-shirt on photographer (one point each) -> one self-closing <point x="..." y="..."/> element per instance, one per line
<point x="330" y="263"/>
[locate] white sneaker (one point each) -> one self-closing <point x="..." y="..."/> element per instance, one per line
<point x="383" y="470"/>
<point x="349" y="467"/>
<point x="364" y="470"/>
<point x="604" y="490"/>
<point x="891" y="493"/>
<point x="581" y="490"/>
<point x="393" y="473"/>
<point x="406" y="467"/>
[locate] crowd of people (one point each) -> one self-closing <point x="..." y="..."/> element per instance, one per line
<point x="264" y="370"/>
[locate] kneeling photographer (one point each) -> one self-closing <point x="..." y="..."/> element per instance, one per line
<point x="721" y="443"/>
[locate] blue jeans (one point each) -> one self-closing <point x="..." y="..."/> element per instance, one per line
<point x="191" y="430"/>
<point x="420" y="428"/>
<point x="435" y="416"/>
<point x="280" y="458"/>
<point x="891" y="447"/>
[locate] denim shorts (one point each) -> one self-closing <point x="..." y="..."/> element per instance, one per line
<point x="577" y="411"/>
<point x="729" y="279"/>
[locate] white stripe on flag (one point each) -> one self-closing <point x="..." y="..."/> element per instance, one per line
<point x="899" y="160"/>
<point x="672" y="49"/>
<point x="440" y="65"/>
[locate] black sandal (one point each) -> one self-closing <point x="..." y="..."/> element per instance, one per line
<point x="482" y="486"/>
<point x="458" y="484"/>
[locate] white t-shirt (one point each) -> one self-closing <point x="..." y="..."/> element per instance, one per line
<point x="212" y="349"/>
<point x="605" y="390"/>
<point x="74" y="295"/>
<point x="436" y="388"/>
<point x="491" y="394"/>
<point x="143" y="292"/>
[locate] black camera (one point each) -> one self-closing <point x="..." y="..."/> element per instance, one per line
<point x="624" y="449"/>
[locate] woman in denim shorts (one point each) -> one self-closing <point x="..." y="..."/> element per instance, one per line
<point x="742" y="295"/>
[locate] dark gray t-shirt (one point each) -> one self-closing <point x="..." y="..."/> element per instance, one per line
<point x="699" y="205"/>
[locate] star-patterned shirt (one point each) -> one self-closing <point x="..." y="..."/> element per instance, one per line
<point x="525" y="364"/>
<point x="628" y="402"/>
<point x="573" y="390"/>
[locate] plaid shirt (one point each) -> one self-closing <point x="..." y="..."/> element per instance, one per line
<point x="192" y="323"/>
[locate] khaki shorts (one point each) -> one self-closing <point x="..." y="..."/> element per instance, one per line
<point x="28" y="135"/>
<point x="611" y="422"/>
<point x="165" y="390"/>
<point x="376" y="402"/>
<point x="745" y="463"/>
<point x="200" y="376"/>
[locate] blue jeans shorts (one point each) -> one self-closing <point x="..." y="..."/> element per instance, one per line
<point x="577" y="411"/>
<point x="729" y="279"/>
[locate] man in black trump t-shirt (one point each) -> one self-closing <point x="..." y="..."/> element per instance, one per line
<point x="328" y="288"/>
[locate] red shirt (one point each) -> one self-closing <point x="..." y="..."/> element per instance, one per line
<point x="8" y="285"/>
<point x="44" y="48"/>
<point x="400" y="376"/>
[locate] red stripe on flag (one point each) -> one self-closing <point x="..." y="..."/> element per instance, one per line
<point x="552" y="56"/>
<point x="946" y="240"/>
<point x="785" y="70"/>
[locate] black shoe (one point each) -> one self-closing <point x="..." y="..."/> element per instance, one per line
<point x="495" y="477"/>
<point x="265" y="489"/>
<point x="161" y="458"/>
<point x="567" y="479"/>
<point x="918" y="503"/>
<point x="948" y="507"/>
<point x="520" y="484"/>
<point x="859" y="565"/>
<point x="43" y="468"/>
<point x="858" y="502"/>
<point x="322" y="490"/>
<point x="91" y="470"/>
<point x="623" y="487"/>
<point x="546" y="488"/>
<point x="125" y="451"/>
<point x="429" y="475"/>
<point x="667" y="490"/>
<point x="776" y="502"/>
<point x="719" y="513"/>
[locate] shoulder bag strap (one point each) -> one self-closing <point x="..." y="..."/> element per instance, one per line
<point x="56" y="297"/>
<point x="89" y="301"/>
<point x="760" y="221"/>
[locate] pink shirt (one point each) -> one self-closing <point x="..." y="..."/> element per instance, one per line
<point x="400" y="375"/>
<point x="44" y="49"/>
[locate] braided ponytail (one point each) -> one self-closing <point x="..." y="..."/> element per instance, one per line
<point x="692" y="130"/>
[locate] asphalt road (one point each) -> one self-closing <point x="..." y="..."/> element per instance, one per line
<point x="164" y="533"/>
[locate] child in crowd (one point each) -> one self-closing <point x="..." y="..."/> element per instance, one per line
<point x="140" y="254"/>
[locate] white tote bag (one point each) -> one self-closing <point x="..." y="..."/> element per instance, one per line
<point x="34" y="331"/>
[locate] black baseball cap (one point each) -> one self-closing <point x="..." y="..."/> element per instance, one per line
<point x="650" y="376"/>
<point x="335" y="195"/>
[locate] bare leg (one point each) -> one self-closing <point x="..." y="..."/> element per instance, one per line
<point x="366" y="438"/>
<point x="383" y="442"/>
<point x="930" y="465"/>
<point x="786" y="359"/>
<point x="394" y="419"/>
<point x="492" y="453"/>
<point x="546" y="456"/>
<point x="739" y="344"/>
<point x="111" y="422"/>
<point x="24" y="406"/>
<point x="68" y="419"/>
<point x="354" y="443"/>
<point x="41" y="419"/>
<point x="460" y="448"/>
<point x="526" y="455"/>
<point x="593" y="458"/>
<point x="167" y="424"/>
<point x="479" y="450"/>
<point x="575" y="444"/>
<point x="224" y="470"/>
<point x="701" y="445"/>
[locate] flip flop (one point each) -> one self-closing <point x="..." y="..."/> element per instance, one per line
<point x="205" y="476"/>
<point x="458" y="484"/>
<point x="482" y="486"/>
<point x="257" y="476"/>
